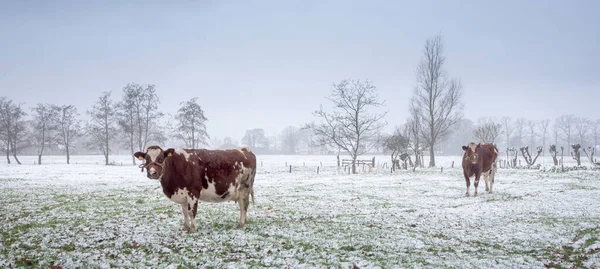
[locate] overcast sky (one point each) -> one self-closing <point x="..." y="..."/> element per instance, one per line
<point x="269" y="64"/>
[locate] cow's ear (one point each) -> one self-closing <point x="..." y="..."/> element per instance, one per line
<point x="140" y="155"/>
<point x="464" y="148"/>
<point x="169" y="152"/>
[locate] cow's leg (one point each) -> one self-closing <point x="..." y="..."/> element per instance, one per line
<point x="243" y="201"/>
<point x="468" y="181"/>
<point x="192" y="208"/>
<point x="486" y="178"/>
<point x="492" y="176"/>
<point x="184" y="209"/>
<point x="193" y="216"/>
<point x="476" y="182"/>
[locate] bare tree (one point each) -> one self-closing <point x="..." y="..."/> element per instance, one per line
<point x="351" y="127"/>
<point x="576" y="154"/>
<point x="228" y="143"/>
<point x="531" y="128"/>
<point x="565" y="125"/>
<point x="12" y="127"/>
<point x="519" y="128"/>
<point x="69" y="127"/>
<point x="255" y="139"/>
<point x="413" y="131"/>
<point x="582" y="127"/>
<point x="525" y="152"/>
<point x="138" y="116"/>
<point x="291" y="139"/>
<point x="396" y="144"/>
<point x="487" y="131"/>
<point x="191" y="124"/>
<point x="543" y="126"/>
<point x="101" y="129"/>
<point x="436" y="97"/>
<point x="508" y="129"/>
<point x="45" y="125"/>
<point x="553" y="152"/>
<point x="596" y="131"/>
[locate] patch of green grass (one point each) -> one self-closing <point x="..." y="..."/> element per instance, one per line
<point x="573" y="254"/>
<point x="575" y="186"/>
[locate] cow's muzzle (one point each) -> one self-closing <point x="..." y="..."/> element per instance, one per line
<point x="151" y="170"/>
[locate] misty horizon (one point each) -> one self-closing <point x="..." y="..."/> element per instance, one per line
<point x="272" y="64"/>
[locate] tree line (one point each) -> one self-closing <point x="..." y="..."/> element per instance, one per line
<point x="435" y="123"/>
<point x="132" y="123"/>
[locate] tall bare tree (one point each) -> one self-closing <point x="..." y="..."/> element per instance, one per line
<point x="519" y="130"/>
<point x="101" y="129"/>
<point x="582" y="127"/>
<point x="255" y="139"/>
<point x="566" y="126"/>
<point x="487" y="131"/>
<point x="397" y="144"/>
<point x="45" y="124"/>
<point x="543" y="126"/>
<point x="12" y="127"/>
<point x="595" y="131"/>
<point x="436" y="97"/>
<point x="508" y="129"/>
<point x="531" y="127"/>
<point x="351" y="127"/>
<point x="69" y="127"/>
<point x="413" y="127"/>
<point x="291" y="139"/>
<point x="138" y="116"/>
<point x="191" y="124"/>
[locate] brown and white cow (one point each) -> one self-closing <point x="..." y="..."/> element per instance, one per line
<point x="479" y="159"/>
<point x="191" y="175"/>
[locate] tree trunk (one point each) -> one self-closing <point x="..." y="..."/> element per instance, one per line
<point x="39" y="159"/>
<point x="354" y="164"/>
<point x="431" y="157"/>
<point x="16" y="159"/>
<point x="68" y="156"/>
<point x="8" y="153"/>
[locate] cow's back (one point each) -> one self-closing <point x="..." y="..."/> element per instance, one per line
<point x="488" y="154"/>
<point x="227" y="161"/>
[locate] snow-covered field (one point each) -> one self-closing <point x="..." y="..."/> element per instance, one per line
<point x="88" y="215"/>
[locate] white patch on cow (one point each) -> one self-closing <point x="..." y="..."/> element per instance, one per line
<point x="184" y="153"/>
<point x="153" y="153"/>
<point x="152" y="171"/>
<point x="180" y="196"/>
<point x="473" y="146"/>
<point x="184" y="209"/>
<point x="210" y="194"/>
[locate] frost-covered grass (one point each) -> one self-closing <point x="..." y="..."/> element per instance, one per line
<point x="87" y="216"/>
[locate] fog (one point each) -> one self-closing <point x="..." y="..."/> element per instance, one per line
<point x="270" y="65"/>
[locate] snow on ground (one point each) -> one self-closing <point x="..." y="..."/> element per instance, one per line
<point x="89" y="215"/>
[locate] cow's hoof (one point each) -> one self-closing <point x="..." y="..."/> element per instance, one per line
<point x="240" y="226"/>
<point x="475" y="195"/>
<point x="467" y="194"/>
<point x="486" y="189"/>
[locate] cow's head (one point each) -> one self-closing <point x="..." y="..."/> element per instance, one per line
<point x="471" y="153"/>
<point x="154" y="158"/>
